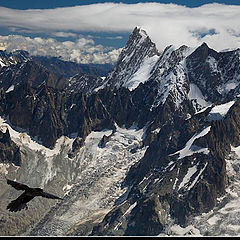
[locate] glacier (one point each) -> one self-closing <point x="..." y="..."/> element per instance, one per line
<point x="91" y="182"/>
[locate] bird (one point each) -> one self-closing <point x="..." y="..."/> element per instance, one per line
<point x="28" y="194"/>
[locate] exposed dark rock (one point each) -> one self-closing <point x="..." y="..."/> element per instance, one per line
<point x="68" y="69"/>
<point x="149" y="210"/>
<point x="31" y="73"/>
<point x="103" y="141"/>
<point x="9" y="151"/>
<point x="39" y="113"/>
<point x="77" y="144"/>
<point x="2" y="101"/>
<point x="84" y="82"/>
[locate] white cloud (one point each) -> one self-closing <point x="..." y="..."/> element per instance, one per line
<point x="114" y="38"/>
<point x="165" y="23"/>
<point x="81" y="50"/>
<point x="64" y="34"/>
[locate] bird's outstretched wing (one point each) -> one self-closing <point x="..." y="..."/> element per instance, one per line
<point x="18" y="186"/>
<point x="19" y="203"/>
<point x="48" y="195"/>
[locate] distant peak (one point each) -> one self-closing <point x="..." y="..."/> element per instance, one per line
<point x="140" y="31"/>
<point x="204" y="44"/>
<point x="143" y="32"/>
<point x="207" y="50"/>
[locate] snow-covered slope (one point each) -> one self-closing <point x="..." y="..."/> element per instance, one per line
<point x="170" y="75"/>
<point x="91" y="182"/>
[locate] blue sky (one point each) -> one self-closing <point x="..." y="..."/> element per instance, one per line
<point x="84" y="31"/>
<point x="43" y="4"/>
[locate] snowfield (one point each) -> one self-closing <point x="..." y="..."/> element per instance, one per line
<point x="143" y="73"/>
<point x="91" y="182"/>
<point x="218" y="112"/>
<point x="189" y="148"/>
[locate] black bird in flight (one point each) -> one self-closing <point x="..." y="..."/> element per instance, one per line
<point x="28" y="194"/>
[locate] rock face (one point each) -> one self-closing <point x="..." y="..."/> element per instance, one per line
<point x="138" y="49"/>
<point x="9" y="151"/>
<point x="87" y="83"/>
<point x="55" y="65"/>
<point x="7" y="59"/>
<point x="37" y="100"/>
<point x="185" y="99"/>
<point x="29" y="72"/>
<point x="216" y="74"/>
<point x="68" y="69"/>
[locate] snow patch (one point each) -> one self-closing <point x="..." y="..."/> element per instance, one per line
<point x="213" y="64"/>
<point x="197" y="98"/>
<point x="128" y="211"/>
<point x="11" y="88"/>
<point x="218" y="112"/>
<point x="213" y="220"/>
<point x="142" y="74"/>
<point x="231" y="85"/>
<point x="67" y="188"/>
<point x="183" y="231"/>
<point x="236" y="150"/>
<point x="3" y="168"/>
<point x="156" y="131"/>
<point x="190" y="149"/>
<point x="191" y="171"/>
<point x="2" y="64"/>
<point x="197" y="177"/>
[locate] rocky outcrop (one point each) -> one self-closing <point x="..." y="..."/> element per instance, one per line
<point x="84" y="82"/>
<point x="31" y="73"/>
<point x="39" y="111"/>
<point x="2" y="101"/>
<point x="214" y="73"/>
<point x="9" y="151"/>
<point x="68" y="69"/>
<point x="77" y="144"/>
<point x="7" y="59"/>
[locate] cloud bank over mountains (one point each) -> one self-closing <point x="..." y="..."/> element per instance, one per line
<point x="82" y="50"/>
<point x="216" y="24"/>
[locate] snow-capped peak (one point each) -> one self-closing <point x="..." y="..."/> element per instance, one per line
<point x="139" y="55"/>
<point x="142" y="32"/>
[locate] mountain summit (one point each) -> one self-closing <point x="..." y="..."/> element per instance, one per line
<point x="135" y="62"/>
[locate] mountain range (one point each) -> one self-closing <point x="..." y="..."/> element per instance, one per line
<point x="159" y="134"/>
